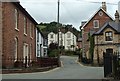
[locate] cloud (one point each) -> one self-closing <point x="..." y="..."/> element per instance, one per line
<point x="71" y="11"/>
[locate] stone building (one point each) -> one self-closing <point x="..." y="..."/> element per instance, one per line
<point x="93" y="25"/>
<point x="107" y="39"/>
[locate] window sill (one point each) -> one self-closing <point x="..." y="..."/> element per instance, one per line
<point x="25" y="34"/>
<point x="96" y="27"/>
<point x="31" y="37"/>
<point x="17" y="29"/>
<point x="109" y="41"/>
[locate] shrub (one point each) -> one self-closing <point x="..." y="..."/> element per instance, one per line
<point x="53" y="53"/>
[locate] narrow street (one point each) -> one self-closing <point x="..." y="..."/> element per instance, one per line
<point x="70" y="70"/>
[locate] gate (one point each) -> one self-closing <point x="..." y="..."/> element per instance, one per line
<point x="107" y="64"/>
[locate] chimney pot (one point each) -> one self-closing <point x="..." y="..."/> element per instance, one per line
<point x="116" y="16"/>
<point x="104" y="6"/>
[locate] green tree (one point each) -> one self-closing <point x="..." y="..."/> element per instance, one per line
<point x="91" y="49"/>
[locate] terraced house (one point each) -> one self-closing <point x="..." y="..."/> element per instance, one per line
<point x="66" y="39"/>
<point x="18" y="35"/>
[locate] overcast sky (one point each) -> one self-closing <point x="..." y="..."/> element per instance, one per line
<point x="71" y="11"/>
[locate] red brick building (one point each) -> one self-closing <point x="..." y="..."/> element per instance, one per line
<point x="18" y="35"/>
<point x="92" y="25"/>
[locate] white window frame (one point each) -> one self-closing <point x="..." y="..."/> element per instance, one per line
<point x="109" y="32"/>
<point x="30" y="54"/>
<point x="25" y="26"/>
<point x="25" y="51"/>
<point x="51" y="36"/>
<point x="16" y="19"/>
<point x="16" y="49"/>
<point x="94" y="23"/>
<point x="68" y="35"/>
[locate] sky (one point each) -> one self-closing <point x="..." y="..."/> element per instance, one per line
<point x="71" y="11"/>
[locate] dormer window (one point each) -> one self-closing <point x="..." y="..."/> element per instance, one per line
<point x="109" y="36"/>
<point x="96" y="23"/>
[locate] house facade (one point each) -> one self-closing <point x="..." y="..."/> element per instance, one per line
<point x="66" y="39"/>
<point x="18" y="35"/>
<point x="52" y="38"/>
<point x="41" y="44"/>
<point x="93" y="25"/>
<point x="107" y="39"/>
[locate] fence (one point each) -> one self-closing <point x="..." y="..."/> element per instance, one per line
<point x="26" y="62"/>
<point x="112" y="65"/>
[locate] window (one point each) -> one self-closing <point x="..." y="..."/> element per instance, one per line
<point x="37" y="36"/>
<point x="30" y="30"/>
<point x="108" y="36"/>
<point x="51" y="36"/>
<point x="16" y="19"/>
<point x="38" y="49"/>
<point x="68" y="35"/>
<point x="45" y="51"/>
<point x="30" y="54"/>
<point x="25" y="52"/>
<point x="68" y="42"/>
<point x="100" y="13"/>
<point x="16" y="49"/>
<point x="96" y="23"/>
<point x="25" y="26"/>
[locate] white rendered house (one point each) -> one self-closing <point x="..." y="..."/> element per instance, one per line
<point x="41" y="44"/>
<point x="66" y="39"/>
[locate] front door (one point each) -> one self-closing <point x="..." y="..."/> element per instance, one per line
<point x="109" y="51"/>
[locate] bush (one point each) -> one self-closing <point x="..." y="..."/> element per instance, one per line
<point x="70" y="53"/>
<point x="53" y="53"/>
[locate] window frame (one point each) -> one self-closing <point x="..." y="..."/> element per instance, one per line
<point x="51" y="36"/>
<point x="109" y="38"/>
<point x="96" y="22"/>
<point x="68" y="35"/>
<point x="16" y="14"/>
<point x="16" y="49"/>
<point x="25" y="26"/>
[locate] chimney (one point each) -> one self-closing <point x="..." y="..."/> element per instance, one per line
<point x="116" y="16"/>
<point x="104" y="6"/>
<point x="119" y="7"/>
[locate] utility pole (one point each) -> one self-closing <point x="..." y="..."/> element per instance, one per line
<point x="58" y="33"/>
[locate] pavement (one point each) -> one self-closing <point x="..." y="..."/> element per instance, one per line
<point x="70" y="69"/>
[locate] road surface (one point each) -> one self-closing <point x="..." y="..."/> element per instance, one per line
<point x="70" y="70"/>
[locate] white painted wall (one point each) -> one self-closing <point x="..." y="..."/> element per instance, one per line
<point x="72" y="39"/>
<point x="39" y="44"/>
<point x="64" y="40"/>
<point x="54" y="39"/>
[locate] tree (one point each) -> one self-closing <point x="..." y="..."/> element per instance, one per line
<point x="52" y="51"/>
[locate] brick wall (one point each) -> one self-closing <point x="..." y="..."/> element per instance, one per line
<point x="10" y="33"/>
<point x="102" y="20"/>
<point x="0" y="34"/>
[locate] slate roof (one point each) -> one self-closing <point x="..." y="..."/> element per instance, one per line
<point x="113" y="25"/>
<point x="82" y="27"/>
